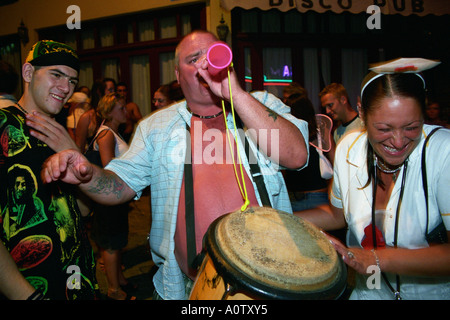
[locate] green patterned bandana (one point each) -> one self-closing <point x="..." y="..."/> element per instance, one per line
<point x="52" y="53"/>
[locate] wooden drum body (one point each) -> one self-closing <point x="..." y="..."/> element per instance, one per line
<point x="263" y="253"/>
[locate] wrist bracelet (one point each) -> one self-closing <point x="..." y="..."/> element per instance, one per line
<point x="376" y="259"/>
<point x="36" y="295"/>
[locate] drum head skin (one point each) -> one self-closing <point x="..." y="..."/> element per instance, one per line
<point x="275" y="255"/>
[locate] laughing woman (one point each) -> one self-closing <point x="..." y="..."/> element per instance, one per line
<point x="378" y="194"/>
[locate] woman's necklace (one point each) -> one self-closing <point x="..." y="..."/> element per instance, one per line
<point x="205" y="117"/>
<point x="383" y="167"/>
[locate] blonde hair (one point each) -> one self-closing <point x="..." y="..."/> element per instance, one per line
<point x="106" y="104"/>
<point x="337" y="89"/>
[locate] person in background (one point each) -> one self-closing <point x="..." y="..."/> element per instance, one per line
<point x="9" y="80"/>
<point x="85" y="90"/>
<point x="433" y="114"/>
<point x="79" y="104"/>
<point x="154" y="160"/>
<point x="110" y="85"/>
<point x="89" y="121"/>
<point x="110" y="223"/>
<point x="335" y="101"/>
<point x="162" y="98"/>
<point x="175" y="92"/>
<point x="97" y="92"/>
<point x="133" y="113"/>
<point x="378" y="192"/>
<point x="307" y="189"/>
<point x="294" y="88"/>
<point x="41" y="224"/>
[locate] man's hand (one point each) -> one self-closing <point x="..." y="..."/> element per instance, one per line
<point x="219" y="83"/>
<point x="49" y="131"/>
<point x="69" y="166"/>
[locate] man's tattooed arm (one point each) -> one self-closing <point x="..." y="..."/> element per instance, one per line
<point x="272" y="114"/>
<point x="108" y="183"/>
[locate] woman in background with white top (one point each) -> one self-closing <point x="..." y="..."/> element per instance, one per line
<point x="110" y="224"/>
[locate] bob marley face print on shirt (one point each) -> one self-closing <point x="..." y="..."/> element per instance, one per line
<point x="24" y="209"/>
<point x="40" y="224"/>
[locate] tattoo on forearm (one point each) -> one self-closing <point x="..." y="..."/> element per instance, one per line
<point x="272" y="114"/>
<point x="107" y="184"/>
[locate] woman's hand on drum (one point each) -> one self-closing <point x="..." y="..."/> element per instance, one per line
<point x="357" y="258"/>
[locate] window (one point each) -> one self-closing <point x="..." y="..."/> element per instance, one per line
<point x="87" y="39"/>
<point x="86" y="76"/>
<point x="10" y="52"/>
<point x="106" y="36"/>
<point x="140" y="82"/>
<point x="111" y="69"/>
<point x="168" y="27"/>
<point x="277" y="66"/>
<point x="167" y="67"/>
<point x="146" y="30"/>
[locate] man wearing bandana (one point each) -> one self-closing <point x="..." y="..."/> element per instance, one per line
<point x="44" y="236"/>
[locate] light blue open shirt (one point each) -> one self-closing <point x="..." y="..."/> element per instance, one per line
<point x="156" y="158"/>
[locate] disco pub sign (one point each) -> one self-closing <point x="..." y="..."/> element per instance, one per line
<point x="403" y="7"/>
<point x="414" y="6"/>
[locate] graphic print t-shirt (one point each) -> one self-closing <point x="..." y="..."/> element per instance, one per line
<point x="40" y="223"/>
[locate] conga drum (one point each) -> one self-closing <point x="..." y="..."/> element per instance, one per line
<point x="263" y="253"/>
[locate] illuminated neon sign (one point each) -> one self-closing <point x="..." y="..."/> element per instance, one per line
<point x="275" y="82"/>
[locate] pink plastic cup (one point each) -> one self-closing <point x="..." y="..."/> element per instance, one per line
<point x="219" y="57"/>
